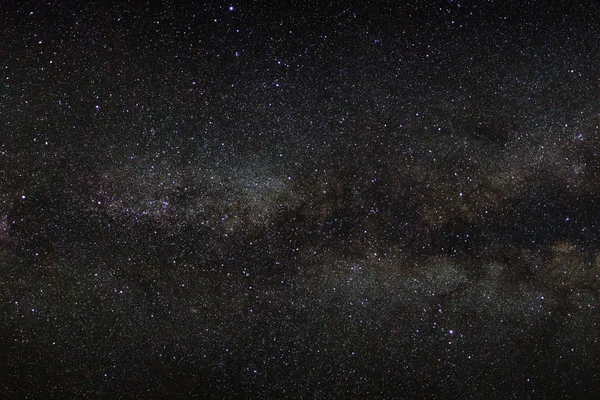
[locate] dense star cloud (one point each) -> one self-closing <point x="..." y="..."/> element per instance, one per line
<point x="303" y="200"/>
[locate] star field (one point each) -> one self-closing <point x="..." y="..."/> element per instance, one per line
<point x="320" y="200"/>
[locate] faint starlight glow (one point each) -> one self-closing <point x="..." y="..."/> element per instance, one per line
<point x="300" y="200"/>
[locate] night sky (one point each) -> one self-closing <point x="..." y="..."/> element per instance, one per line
<point x="354" y="199"/>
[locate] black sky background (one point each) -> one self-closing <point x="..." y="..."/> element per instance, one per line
<point x="322" y="200"/>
